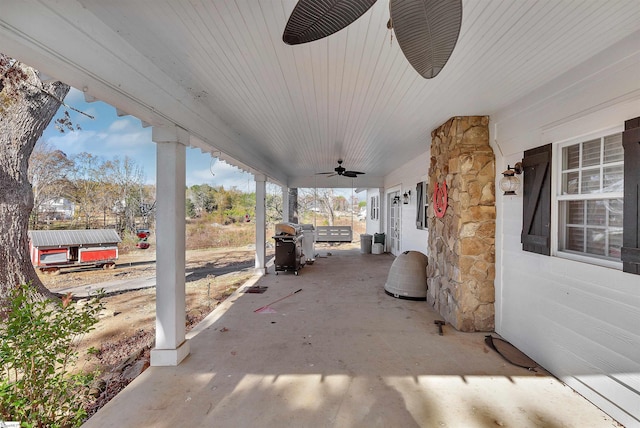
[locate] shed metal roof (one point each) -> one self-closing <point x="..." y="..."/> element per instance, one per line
<point x="55" y="238"/>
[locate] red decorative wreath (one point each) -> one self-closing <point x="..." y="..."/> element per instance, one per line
<point x="440" y="199"/>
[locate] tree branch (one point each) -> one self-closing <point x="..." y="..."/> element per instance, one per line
<point x="60" y="101"/>
<point x="43" y="91"/>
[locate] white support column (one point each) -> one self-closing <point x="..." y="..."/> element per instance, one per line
<point x="171" y="347"/>
<point x="382" y="212"/>
<point x="285" y="204"/>
<point x="261" y="221"/>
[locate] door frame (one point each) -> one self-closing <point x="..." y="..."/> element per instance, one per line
<point x="394" y="241"/>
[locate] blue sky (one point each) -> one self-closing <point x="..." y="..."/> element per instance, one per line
<point x="108" y="136"/>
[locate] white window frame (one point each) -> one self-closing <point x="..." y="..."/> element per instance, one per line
<point x="557" y="197"/>
<point x="374" y="213"/>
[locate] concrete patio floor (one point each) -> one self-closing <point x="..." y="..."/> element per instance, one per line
<point x="341" y="353"/>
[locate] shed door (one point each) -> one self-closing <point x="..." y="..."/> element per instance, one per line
<point x="98" y="254"/>
<point x="53" y="256"/>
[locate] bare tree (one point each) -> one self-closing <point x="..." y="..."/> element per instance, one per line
<point x="126" y="183"/>
<point x="273" y="204"/>
<point x="325" y="198"/>
<point x="111" y="190"/>
<point x="340" y="203"/>
<point x="148" y="204"/>
<point x="27" y="107"/>
<point x="107" y="191"/>
<point x="48" y="173"/>
<point x="85" y="190"/>
<point x="321" y="201"/>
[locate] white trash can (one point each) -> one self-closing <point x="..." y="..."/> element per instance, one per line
<point x="365" y="243"/>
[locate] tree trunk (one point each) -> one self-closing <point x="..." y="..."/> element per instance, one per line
<point x="27" y="112"/>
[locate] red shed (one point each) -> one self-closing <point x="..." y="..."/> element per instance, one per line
<point x="52" y="249"/>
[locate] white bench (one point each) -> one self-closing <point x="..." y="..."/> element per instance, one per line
<point x="334" y="234"/>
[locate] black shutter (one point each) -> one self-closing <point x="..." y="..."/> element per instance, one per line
<point x="631" y="238"/>
<point x="536" y="221"/>
<point x="419" y="203"/>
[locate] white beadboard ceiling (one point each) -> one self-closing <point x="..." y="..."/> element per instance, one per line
<point x="220" y="70"/>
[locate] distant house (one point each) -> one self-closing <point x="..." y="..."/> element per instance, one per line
<point x="362" y="214"/>
<point x="57" y="209"/>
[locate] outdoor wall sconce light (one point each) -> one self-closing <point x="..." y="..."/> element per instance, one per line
<point x="510" y="183"/>
<point x="406" y="197"/>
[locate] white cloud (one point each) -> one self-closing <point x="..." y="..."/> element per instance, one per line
<point x="200" y="176"/>
<point x="106" y="144"/>
<point x="119" y="125"/>
<point x="223" y="174"/>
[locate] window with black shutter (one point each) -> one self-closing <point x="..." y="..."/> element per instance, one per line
<point x="536" y="223"/>
<point x="598" y="198"/>
<point x="631" y="239"/>
<point x="590" y="198"/>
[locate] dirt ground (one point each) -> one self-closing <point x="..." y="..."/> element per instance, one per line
<point x="126" y="330"/>
<point x="122" y="339"/>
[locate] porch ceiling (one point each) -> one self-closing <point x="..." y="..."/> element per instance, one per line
<point x="220" y="70"/>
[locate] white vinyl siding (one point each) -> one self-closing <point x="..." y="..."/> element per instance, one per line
<point x="578" y="320"/>
<point x="590" y="199"/>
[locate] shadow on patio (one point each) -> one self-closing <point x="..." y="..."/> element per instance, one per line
<point x="341" y="353"/>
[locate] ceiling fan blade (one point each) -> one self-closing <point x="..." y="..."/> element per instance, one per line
<point x="315" y="19"/>
<point x="325" y="173"/>
<point x="352" y="174"/>
<point x="427" y="32"/>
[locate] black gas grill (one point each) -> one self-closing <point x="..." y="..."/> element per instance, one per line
<point x="289" y="255"/>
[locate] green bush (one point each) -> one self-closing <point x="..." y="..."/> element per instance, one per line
<point x="38" y="352"/>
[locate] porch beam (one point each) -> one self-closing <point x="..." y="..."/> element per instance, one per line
<point x="171" y="346"/>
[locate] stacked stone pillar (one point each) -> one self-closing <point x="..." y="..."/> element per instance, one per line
<point x="461" y="271"/>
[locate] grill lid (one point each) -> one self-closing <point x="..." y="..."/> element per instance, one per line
<point x="291" y="229"/>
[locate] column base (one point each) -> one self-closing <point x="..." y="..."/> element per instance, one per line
<point x="169" y="357"/>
